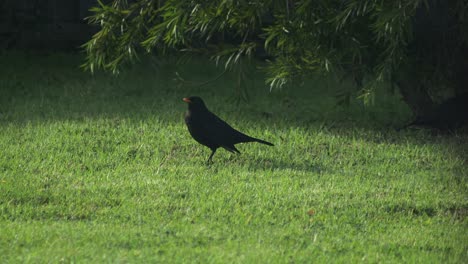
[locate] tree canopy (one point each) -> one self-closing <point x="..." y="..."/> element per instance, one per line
<point x="421" y="45"/>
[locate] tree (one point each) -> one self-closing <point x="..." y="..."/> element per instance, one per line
<point x="418" y="45"/>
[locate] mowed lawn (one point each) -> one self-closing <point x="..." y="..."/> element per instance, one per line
<point x="97" y="169"/>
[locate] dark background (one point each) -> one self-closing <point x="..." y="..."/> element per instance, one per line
<point x="45" y="24"/>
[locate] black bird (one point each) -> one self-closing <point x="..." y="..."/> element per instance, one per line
<point x="209" y="130"/>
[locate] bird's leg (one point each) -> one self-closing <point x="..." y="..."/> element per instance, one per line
<point x="211" y="156"/>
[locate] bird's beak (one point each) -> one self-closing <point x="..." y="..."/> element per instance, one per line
<point x="186" y="100"/>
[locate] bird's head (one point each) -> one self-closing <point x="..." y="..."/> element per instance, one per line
<point x="194" y="102"/>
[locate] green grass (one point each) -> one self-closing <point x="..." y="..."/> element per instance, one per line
<point x="102" y="169"/>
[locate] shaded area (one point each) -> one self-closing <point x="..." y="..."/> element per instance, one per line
<point x="45" y="24"/>
<point x="52" y="88"/>
<point x="448" y="115"/>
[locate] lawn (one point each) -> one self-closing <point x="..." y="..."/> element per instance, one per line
<point x="102" y="169"/>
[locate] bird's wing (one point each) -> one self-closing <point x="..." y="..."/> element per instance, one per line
<point x="221" y="132"/>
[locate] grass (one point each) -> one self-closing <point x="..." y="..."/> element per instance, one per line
<point x="102" y="169"/>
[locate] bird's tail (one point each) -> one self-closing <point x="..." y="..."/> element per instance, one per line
<point x="262" y="141"/>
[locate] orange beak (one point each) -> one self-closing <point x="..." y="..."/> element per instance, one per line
<point x="186" y="100"/>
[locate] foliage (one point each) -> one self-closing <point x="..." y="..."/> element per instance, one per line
<point x="355" y="39"/>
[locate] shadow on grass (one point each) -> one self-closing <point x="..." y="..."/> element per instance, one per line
<point x="280" y="164"/>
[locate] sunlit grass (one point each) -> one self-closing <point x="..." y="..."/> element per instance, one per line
<point x="102" y="169"/>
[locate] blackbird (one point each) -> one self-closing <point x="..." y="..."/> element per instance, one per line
<point x="209" y="130"/>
